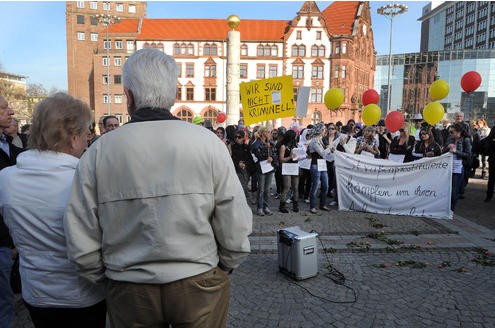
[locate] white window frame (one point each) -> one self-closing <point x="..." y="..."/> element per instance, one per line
<point x="119" y="44"/>
<point x="119" y="7"/>
<point x="107" y="44"/>
<point x="105" y="61"/>
<point x="93" y="4"/>
<point x="132" y="8"/>
<point x="80" y="4"/>
<point x="106" y="5"/>
<point x="117" y="61"/>
<point x="118" y="99"/>
<point x="106" y="99"/>
<point x="81" y="36"/>
<point x="130" y="46"/>
<point x="94" y="36"/>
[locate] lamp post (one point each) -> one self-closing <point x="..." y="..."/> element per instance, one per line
<point x="105" y="20"/>
<point x="391" y="10"/>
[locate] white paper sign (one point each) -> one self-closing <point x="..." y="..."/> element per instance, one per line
<point x="276" y="97"/>
<point x="265" y="167"/>
<point x="290" y="169"/>
<point x="302" y="101"/>
<point x="396" y="158"/>
<point x="305" y="164"/>
<point x="457" y="166"/>
<point x="420" y="188"/>
<point x="322" y="164"/>
<point x="299" y="153"/>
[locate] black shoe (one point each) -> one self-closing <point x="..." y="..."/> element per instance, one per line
<point x="324" y="208"/>
<point x="295" y="207"/>
<point x="487" y="199"/>
<point x="461" y="196"/>
<point x="283" y="210"/>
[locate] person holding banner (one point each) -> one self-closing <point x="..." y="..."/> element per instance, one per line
<point x="287" y="156"/>
<point x="318" y="167"/>
<point x="367" y="144"/>
<point x="427" y="147"/>
<point x="263" y="151"/>
<point x="459" y="144"/>
<point x="402" y="145"/>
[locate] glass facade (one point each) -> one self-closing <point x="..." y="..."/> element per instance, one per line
<point x="446" y="65"/>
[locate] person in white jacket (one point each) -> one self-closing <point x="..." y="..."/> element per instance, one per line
<point x="158" y="211"/>
<point x="33" y="207"/>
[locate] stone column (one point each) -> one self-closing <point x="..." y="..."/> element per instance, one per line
<point x="233" y="68"/>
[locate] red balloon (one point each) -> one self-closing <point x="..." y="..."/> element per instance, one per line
<point x="394" y="121"/>
<point x="221" y="117"/>
<point x="470" y="81"/>
<point x="370" y="97"/>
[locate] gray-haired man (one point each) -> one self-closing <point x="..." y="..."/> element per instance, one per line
<point x="167" y="221"/>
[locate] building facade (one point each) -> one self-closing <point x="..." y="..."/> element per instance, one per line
<point x="320" y="49"/>
<point x="454" y="25"/>
<point x="413" y="74"/>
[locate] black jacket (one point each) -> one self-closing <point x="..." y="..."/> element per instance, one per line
<point x="5" y="240"/>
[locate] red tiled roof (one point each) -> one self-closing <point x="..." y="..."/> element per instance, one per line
<point x="125" y="26"/>
<point x="210" y="29"/>
<point x="340" y="16"/>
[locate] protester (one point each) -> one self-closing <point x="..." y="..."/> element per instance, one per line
<point x="459" y="144"/>
<point x="166" y="222"/>
<point x="317" y="151"/>
<point x="33" y="207"/>
<point x="289" y="182"/>
<point x="101" y="126"/>
<point x="384" y="139"/>
<point x="304" y="187"/>
<point x="403" y="144"/>
<point x="13" y="132"/>
<point x="483" y="132"/>
<point x="427" y="147"/>
<point x="110" y="123"/>
<point x="491" y="165"/>
<point x="330" y="138"/>
<point x="367" y="143"/>
<point x="243" y="161"/>
<point x="8" y="155"/>
<point x="263" y="150"/>
<point x="416" y="126"/>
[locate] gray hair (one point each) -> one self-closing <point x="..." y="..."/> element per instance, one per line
<point x="151" y="76"/>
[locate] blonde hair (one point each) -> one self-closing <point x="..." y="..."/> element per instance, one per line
<point x="55" y="120"/>
<point x="260" y="131"/>
<point x="407" y="129"/>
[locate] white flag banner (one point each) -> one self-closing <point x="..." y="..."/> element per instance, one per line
<point x="419" y="188"/>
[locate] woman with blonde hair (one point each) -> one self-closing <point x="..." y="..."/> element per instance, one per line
<point x="402" y="145"/>
<point x="33" y="208"/>
<point x="483" y="132"/>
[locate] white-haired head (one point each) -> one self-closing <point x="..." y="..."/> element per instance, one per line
<point x="151" y="78"/>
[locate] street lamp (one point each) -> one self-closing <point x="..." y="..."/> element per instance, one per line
<point x="391" y="10"/>
<point x="105" y="20"/>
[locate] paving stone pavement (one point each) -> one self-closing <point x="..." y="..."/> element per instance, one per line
<point x="459" y="295"/>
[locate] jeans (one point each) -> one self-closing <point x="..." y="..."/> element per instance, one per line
<point x="264" y="183"/>
<point x="457" y="184"/>
<point x="318" y="176"/>
<point x="6" y="294"/>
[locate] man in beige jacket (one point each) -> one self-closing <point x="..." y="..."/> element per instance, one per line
<point x="157" y="209"/>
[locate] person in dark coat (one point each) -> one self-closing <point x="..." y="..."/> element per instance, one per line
<point x="491" y="165"/>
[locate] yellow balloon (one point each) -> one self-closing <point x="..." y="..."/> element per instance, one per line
<point x="433" y="113"/>
<point x="334" y="98"/>
<point x="439" y="89"/>
<point x="371" y="114"/>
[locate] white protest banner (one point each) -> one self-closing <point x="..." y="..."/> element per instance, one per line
<point x="265" y="167"/>
<point x="419" y="188"/>
<point x="290" y="169"/>
<point x="396" y="158"/>
<point x="305" y="164"/>
<point x="302" y="101"/>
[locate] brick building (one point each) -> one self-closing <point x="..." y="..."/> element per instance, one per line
<point x="320" y="49"/>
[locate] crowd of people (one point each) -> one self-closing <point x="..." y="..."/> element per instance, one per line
<point x="250" y="149"/>
<point x="143" y="223"/>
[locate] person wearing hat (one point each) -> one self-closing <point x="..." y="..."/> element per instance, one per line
<point x="198" y="120"/>
<point x="317" y="151"/>
<point x="416" y="127"/>
<point x="384" y="139"/>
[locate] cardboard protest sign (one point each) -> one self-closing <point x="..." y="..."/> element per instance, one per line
<point x="267" y="99"/>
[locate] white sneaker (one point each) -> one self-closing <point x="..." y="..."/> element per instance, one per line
<point x="260" y="212"/>
<point x="306" y="200"/>
<point x="267" y="211"/>
<point x="332" y="203"/>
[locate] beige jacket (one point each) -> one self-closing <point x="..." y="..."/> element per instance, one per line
<point x="156" y="202"/>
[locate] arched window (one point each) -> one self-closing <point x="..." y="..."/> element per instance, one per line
<point x="176" y="49"/>
<point x="160" y="46"/>
<point x="314" y="51"/>
<point x="206" y="49"/>
<point x="295" y="51"/>
<point x="268" y="50"/>
<point x="321" y="51"/>
<point x="190" y="49"/>
<point x="260" y="50"/>
<point x="274" y="50"/>
<point x="183" y="49"/>
<point x="244" y="50"/>
<point x="302" y="51"/>
<point x="185" y="114"/>
<point x="315" y="117"/>
<point x="214" y="50"/>
<point x="146" y="45"/>
<point x="210" y="114"/>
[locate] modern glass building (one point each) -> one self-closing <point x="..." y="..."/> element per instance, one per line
<point x="413" y="73"/>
